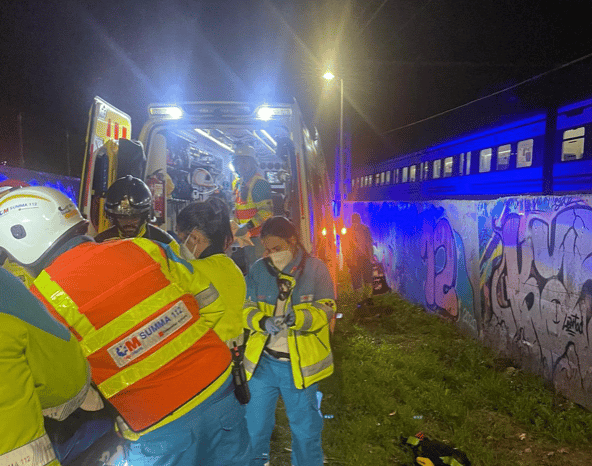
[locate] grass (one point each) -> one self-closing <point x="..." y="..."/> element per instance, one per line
<point x="400" y="370"/>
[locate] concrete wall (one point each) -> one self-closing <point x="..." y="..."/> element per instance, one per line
<point x="514" y="272"/>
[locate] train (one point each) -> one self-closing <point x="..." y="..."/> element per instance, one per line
<point x="544" y="152"/>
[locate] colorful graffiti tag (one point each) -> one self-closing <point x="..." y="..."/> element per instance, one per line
<point x="536" y="270"/>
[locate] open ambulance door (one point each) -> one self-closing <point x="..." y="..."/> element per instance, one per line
<point x="106" y="126"/>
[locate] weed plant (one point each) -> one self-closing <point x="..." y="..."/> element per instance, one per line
<point x="400" y="370"/>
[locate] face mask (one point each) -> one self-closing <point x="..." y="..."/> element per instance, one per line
<point x="185" y="252"/>
<point x="281" y="258"/>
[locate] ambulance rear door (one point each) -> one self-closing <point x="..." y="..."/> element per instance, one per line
<point x="106" y="126"/>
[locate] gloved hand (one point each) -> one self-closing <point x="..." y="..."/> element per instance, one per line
<point x="243" y="230"/>
<point x="272" y="325"/>
<point x="289" y="317"/>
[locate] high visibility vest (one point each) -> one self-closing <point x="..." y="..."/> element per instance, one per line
<point x="246" y="209"/>
<point x="141" y="331"/>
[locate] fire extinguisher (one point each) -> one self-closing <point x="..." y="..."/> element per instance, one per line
<point x="156" y="184"/>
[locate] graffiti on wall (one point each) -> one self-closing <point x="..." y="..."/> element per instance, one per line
<point x="536" y="290"/>
<point x="423" y="257"/>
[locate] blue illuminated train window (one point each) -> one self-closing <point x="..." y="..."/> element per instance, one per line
<point x="503" y="157"/>
<point x="397" y="175"/>
<point x="524" y="153"/>
<point x="412" y="171"/>
<point x="426" y="170"/>
<point x="448" y="166"/>
<point x="377" y="179"/>
<point x="404" y="175"/>
<point x="437" y="169"/>
<point x="485" y="160"/>
<point x="468" y="171"/>
<point x="382" y="178"/>
<point x="461" y="164"/>
<point x="573" y="144"/>
<point x="388" y="177"/>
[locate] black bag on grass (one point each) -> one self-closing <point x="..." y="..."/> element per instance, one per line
<point x="433" y="453"/>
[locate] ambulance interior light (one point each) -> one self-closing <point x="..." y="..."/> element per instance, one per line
<point x="170" y="111"/>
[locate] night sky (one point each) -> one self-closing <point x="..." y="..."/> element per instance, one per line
<point x="401" y="61"/>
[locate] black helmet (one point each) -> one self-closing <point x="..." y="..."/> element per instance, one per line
<point x="129" y="197"/>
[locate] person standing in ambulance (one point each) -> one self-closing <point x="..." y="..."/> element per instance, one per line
<point x="160" y="365"/>
<point x="253" y="203"/>
<point x="128" y="205"/>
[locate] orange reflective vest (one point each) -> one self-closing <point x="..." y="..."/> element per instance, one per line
<point x="247" y="209"/>
<point x="138" y="326"/>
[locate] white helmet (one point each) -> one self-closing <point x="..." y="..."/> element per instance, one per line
<point x="33" y="220"/>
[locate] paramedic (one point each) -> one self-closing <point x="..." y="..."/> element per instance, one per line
<point x="42" y="373"/>
<point x="128" y="302"/>
<point x="290" y="302"/>
<point x="128" y="205"/>
<point x="204" y="233"/>
<point x="253" y="203"/>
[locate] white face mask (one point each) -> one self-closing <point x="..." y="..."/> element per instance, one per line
<point x="185" y="252"/>
<point x="281" y="258"/>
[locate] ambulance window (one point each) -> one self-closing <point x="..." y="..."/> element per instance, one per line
<point x="448" y="165"/>
<point x="412" y="170"/>
<point x="573" y="144"/>
<point x="503" y="157"/>
<point x="485" y="160"/>
<point x="437" y="168"/>
<point x="404" y="175"/>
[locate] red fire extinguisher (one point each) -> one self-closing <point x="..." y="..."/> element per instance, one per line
<point x="156" y="184"/>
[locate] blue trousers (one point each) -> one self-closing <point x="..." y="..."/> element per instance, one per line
<point x="271" y="379"/>
<point x="212" y="434"/>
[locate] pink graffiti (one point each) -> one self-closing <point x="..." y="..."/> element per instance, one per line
<point x="437" y="245"/>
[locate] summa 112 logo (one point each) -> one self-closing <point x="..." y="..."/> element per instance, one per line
<point x="148" y="336"/>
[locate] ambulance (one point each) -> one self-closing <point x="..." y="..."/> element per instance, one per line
<point x="189" y="149"/>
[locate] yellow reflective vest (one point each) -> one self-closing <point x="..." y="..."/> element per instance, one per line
<point x="313" y="302"/>
<point x="43" y="372"/>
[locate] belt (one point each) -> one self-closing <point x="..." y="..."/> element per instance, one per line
<point x="277" y="354"/>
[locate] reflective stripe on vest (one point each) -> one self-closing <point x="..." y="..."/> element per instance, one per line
<point x="39" y="452"/>
<point x="62" y="411"/>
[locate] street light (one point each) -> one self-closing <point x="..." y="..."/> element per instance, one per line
<point x="330" y="76"/>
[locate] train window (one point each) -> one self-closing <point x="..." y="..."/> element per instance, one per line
<point x="468" y="171"/>
<point x="437" y="168"/>
<point x="388" y="177"/>
<point x="382" y="178"/>
<point x="461" y="164"/>
<point x="503" y="157"/>
<point x="412" y="170"/>
<point x="397" y="175"/>
<point x="426" y="170"/>
<point x="404" y="175"/>
<point x="524" y="153"/>
<point x="377" y="179"/>
<point x="485" y="160"/>
<point x="448" y="164"/>
<point x="573" y="144"/>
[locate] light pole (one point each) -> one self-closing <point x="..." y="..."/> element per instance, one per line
<point x="329" y="76"/>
